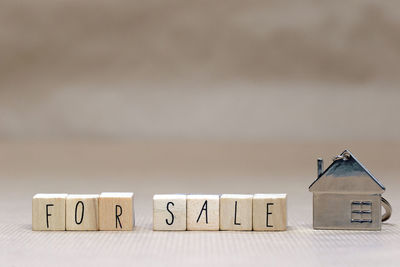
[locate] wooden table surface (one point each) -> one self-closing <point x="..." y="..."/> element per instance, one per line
<point x="152" y="167"/>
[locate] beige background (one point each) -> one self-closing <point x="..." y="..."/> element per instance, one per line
<point x="195" y="97"/>
<point x="258" y="70"/>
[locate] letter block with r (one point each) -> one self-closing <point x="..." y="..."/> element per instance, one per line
<point x="116" y="212"/>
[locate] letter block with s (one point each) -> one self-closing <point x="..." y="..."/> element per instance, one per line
<point x="169" y="212"/>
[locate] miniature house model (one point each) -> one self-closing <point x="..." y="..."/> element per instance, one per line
<point x="346" y="196"/>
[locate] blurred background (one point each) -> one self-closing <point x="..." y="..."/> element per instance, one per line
<point x="260" y="70"/>
<point x="195" y="96"/>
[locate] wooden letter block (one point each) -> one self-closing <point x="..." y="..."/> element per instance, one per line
<point x="82" y="212"/>
<point x="203" y="212"/>
<point x="269" y="212"/>
<point x="169" y="212"/>
<point x="236" y="212"/>
<point x="116" y="212"/>
<point x="48" y="212"/>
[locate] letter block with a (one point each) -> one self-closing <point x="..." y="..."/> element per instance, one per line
<point x="116" y="212"/>
<point x="48" y="212"/>
<point x="269" y="212"/>
<point x="203" y="212"/>
<point x="82" y="212"/>
<point x="236" y="212"/>
<point x="169" y="212"/>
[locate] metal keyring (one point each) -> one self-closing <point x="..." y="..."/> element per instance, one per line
<point x="388" y="209"/>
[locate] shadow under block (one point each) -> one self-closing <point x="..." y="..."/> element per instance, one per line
<point x="202" y="212"/>
<point x="236" y="212"/>
<point x="116" y="212"/>
<point x="82" y="212"/>
<point x="169" y="212"/>
<point x="269" y="212"/>
<point x="48" y="212"/>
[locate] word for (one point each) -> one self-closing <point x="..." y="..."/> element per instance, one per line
<point x="233" y="212"/>
<point x="106" y="212"/>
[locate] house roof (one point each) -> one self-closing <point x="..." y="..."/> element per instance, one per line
<point x="346" y="174"/>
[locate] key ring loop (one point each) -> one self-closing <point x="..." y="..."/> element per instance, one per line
<point x="388" y="209"/>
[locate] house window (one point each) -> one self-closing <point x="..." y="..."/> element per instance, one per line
<point x="361" y="212"/>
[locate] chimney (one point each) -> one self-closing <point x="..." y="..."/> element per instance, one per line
<point x="320" y="166"/>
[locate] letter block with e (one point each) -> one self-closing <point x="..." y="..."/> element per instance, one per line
<point x="116" y="212"/>
<point x="82" y="212"/>
<point x="48" y="212"/>
<point x="169" y="212"/>
<point x="269" y="212"/>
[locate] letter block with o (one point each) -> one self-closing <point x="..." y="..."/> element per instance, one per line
<point x="82" y="212"/>
<point x="116" y="212"/>
<point x="169" y="212"/>
<point x="48" y="212"/>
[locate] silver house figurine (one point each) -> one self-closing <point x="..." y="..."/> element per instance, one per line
<point x="347" y="196"/>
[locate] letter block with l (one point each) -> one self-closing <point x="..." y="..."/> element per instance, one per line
<point x="236" y="212"/>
